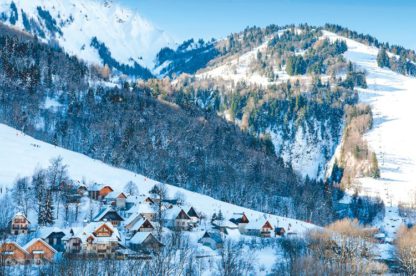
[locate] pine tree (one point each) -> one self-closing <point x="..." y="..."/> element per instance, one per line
<point x="383" y="58"/>
<point x="374" y="166"/>
<point x="48" y="209"/>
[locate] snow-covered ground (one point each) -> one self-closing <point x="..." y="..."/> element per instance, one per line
<point x="20" y="155"/>
<point x="392" y="98"/>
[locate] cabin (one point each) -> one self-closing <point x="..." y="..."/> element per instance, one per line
<point x="142" y="225"/>
<point x="241" y="220"/>
<point x="117" y="199"/>
<point x="213" y="240"/>
<point x="19" y="224"/>
<point x="109" y="214"/>
<point x="195" y="218"/>
<point x="260" y="227"/>
<point x="279" y="231"/>
<point x="99" y="191"/>
<point x="100" y="239"/>
<point x="225" y="226"/>
<point x="145" y="242"/>
<point x="54" y="237"/>
<point x="40" y="251"/>
<point x="177" y="219"/>
<point x="13" y="254"/>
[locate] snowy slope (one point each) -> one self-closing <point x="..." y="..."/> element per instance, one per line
<point x="128" y="36"/>
<point x="392" y="98"/>
<point x="21" y="154"/>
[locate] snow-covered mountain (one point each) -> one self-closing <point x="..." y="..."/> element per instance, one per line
<point x="95" y="31"/>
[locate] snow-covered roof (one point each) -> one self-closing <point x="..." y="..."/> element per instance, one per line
<point x="140" y="237"/>
<point x="20" y="214"/>
<point x="213" y="235"/>
<point x="258" y="223"/>
<point x="224" y="223"/>
<point x="33" y="241"/>
<point x="90" y="228"/>
<point x="104" y="212"/>
<point x="114" y="195"/>
<point x="16" y="244"/>
<point x="173" y="212"/>
<point x="44" y="232"/>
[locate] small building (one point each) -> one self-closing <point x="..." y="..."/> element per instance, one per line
<point x="177" y="219"/>
<point x="13" y="254"/>
<point x="145" y="242"/>
<point x="99" y="191"/>
<point x="19" y="224"/>
<point x="109" y="214"/>
<point x="224" y="226"/>
<point x="100" y="239"/>
<point x="213" y="240"/>
<point x="260" y="227"/>
<point x="195" y="218"/>
<point x="40" y="251"/>
<point x="142" y="225"/>
<point x="241" y="220"/>
<point x="54" y="237"/>
<point x="117" y="199"/>
<point x="279" y="231"/>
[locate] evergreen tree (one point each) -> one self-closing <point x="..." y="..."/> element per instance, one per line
<point x="47" y="216"/>
<point x="374" y="166"/>
<point x="383" y="58"/>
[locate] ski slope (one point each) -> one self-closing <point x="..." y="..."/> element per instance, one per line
<point x="392" y="98"/>
<point x="20" y="155"/>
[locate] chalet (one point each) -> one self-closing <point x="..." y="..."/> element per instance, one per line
<point x="193" y="215"/>
<point x="145" y="242"/>
<point x="54" y="237"/>
<point x="19" y="224"/>
<point x="241" y="220"/>
<point x="176" y="218"/>
<point x="40" y="251"/>
<point x="225" y="226"/>
<point x="109" y="214"/>
<point x="279" y="231"/>
<point x="213" y="240"/>
<point x="143" y="209"/>
<point x="13" y="254"/>
<point x="99" y="191"/>
<point x="140" y="225"/>
<point x="117" y="199"/>
<point x="96" y="238"/>
<point x="260" y="227"/>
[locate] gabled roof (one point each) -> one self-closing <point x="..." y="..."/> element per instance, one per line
<point x="193" y="213"/>
<point x="104" y="212"/>
<point x="15" y="244"/>
<point x="213" y="235"/>
<point x="44" y="232"/>
<point x="98" y="187"/>
<point x="182" y="215"/>
<point x="258" y="223"/>
<point x="33" y="241"/>
<point x="114" y="195"/>
<point x="20" y="214"/>
<point x="239" y="218"/>
<point x="224" y="224"/>
<point x="90" y="228"/>
<point x="140" y="237"/>
<point x="140" y="223"/>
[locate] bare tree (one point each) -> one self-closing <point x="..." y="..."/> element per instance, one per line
<point x="131" y="188"/>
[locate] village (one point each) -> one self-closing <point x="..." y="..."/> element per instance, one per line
<point x="126" y="226"/>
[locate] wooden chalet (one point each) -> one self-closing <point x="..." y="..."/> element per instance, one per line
<point x="99" y="191"/>
<point x="260" y="227"/>
<point x="109" y="214"/>
<point x="19" y="224"/>
<point x="241" y="220"/>
<point x="117" y="199"/>
<point x="213" y="240"/>
<point x="193" y="215"/>
<point x="13" y="254"/>
<point x="40" y="251"/>
<point x="145" y="242"/>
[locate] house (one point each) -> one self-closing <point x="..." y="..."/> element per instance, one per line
<point x="213" y="240"/>
<point x="241" y="220"/>
<point x="140" y="225"/>
<point x="19" y="224"/>
<point x="99" y="191"/>
<point x="117" y="199"/>
<point x="176" y="218"/>
<point x="109" y="214"/>
<point x="279" y="231"/>
<point x="144" y="241"/>
<point x="54" y="237"/>
<point x="100" y="239"/>
<point x="195" y="218"/>
<point x="13" y="254"/>
<point x="40" y="251"/>
<point x="224" y="226"/>
<point x="260" y="227"/>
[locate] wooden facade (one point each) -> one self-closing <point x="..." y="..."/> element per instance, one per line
<point x="40" y="251"/>
<point x="19" y="224"/>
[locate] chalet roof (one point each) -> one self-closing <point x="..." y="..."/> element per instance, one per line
<point x="237" y="217"/>
<point x="103" y="212"/>
<point x="90" y="228"/>
<point x="140" y="237"/>
<point x="15" y="244"/>
<point x="192" y="213"/>
<point x="140" y="223"/>
<point x="224" y="224"/>
<point x="44" y="232"/>
<point x="33" y="241"/>
<point x="213" y="235"/>
<point x="175" y="212"/>
<point x="97" y="187"/>
<point x="258" y="223"/>
<point x="20" y="214"/>
<point x="114" y="195"/>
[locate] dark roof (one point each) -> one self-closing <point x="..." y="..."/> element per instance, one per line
<point x="193" y="213"/>
<point x="213" y="235"/>
<point x="182" y="215"/>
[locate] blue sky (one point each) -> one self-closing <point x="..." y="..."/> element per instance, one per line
<point x="393" y="21"/>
